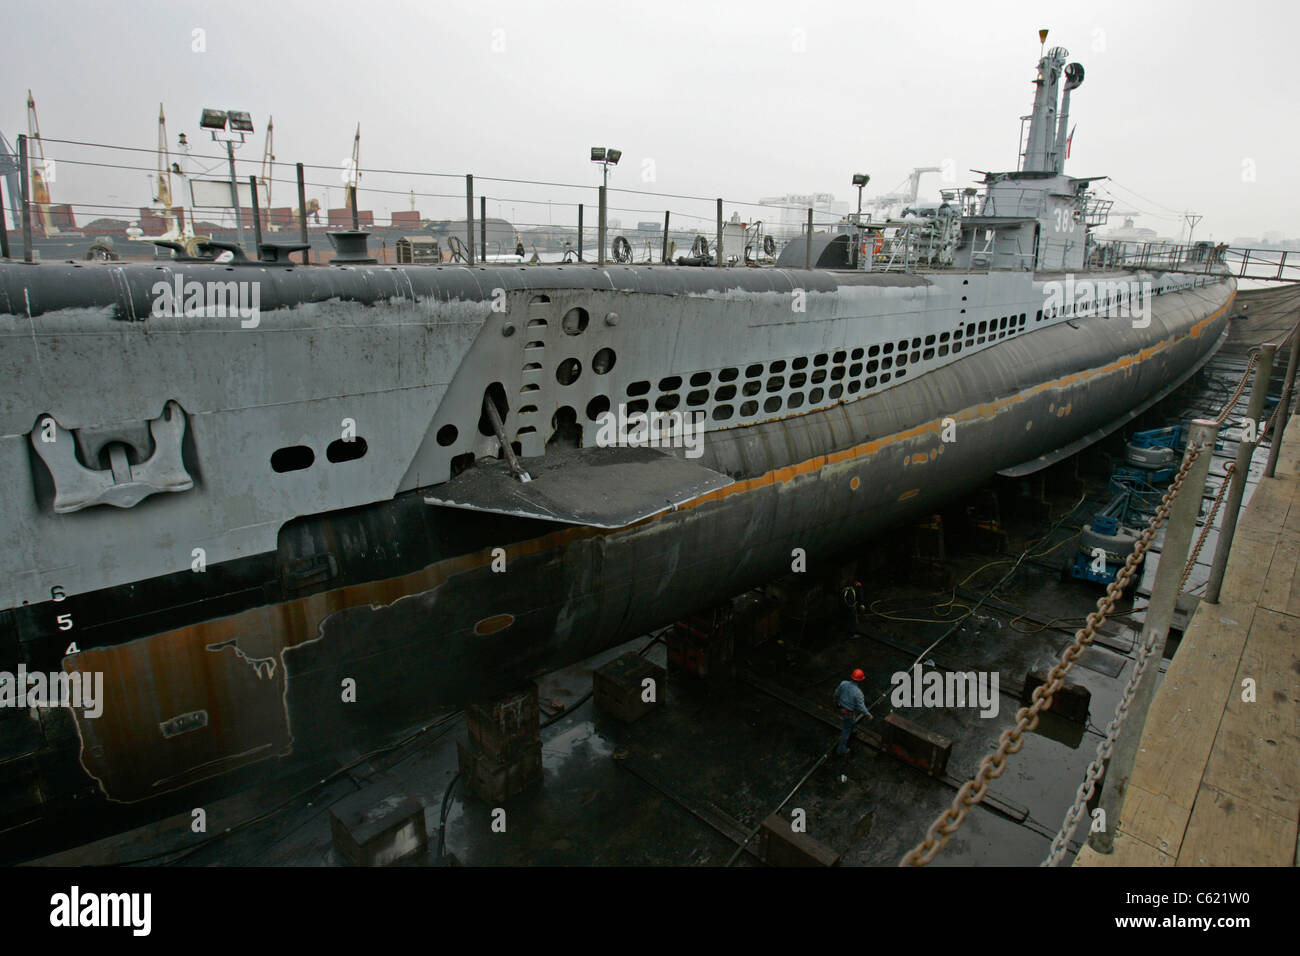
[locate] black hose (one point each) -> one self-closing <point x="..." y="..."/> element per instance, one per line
<point x="442" y="817"/>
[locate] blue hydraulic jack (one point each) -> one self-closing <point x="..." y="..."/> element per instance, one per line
<point x="1104" y="545"/>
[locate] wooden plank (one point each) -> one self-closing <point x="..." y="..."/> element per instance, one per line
<point x="1129" y="851"/>
<point x="1279" y="576"/>
<point x="1256" y="752"/>
<point x="1228" y="830"/>
<point x="1248" y="563"/>
<point x="1155" y="819"/>
<point x="1269" y="504"/>
<point x="1188" y="706"/>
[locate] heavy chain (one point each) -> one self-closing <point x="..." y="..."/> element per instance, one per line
<point x="1241" y="387"/>
<point x="994" y="765"/>
<point x="1089" y="785"/>
<point x="1209" y="523"/>
<point x="1218" y="498"/>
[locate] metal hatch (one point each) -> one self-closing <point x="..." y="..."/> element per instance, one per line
<point x="597" y="487"/>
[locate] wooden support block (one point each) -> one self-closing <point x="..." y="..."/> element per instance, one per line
<point x="621" y="689"/>
<point x="756" y="620"/>
<point x="1071" y="701"/>
<point x="507" y="726"/>
<point x="781" y="846"/>
<point x="378" y="825"/>
<point x="697" y="652"/>
<point x="913" y="744"/>
<point x="497" y="780"/>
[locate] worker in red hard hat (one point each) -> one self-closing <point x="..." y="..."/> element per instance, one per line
<point x="852" y="705"/>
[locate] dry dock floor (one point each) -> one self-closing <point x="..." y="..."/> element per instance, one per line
<point x="1217" y="777"/>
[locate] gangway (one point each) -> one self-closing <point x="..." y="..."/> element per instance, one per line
<point x="1204" y="258"/>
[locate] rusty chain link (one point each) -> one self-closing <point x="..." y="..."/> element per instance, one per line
<point x="994" y="765"/>
<point x="1089" y="785"/>
<point x="1241" y="387"/>
<point x="1218" y="498"/>
<point x="1209" y="523"/>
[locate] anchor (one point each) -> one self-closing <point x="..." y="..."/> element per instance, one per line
<point x="122" y="485"/>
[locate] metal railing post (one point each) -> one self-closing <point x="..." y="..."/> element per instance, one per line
<point x="807" y="250"/>
<point x="4" y="229"/>
<point x="302" y="214"/>
<point x="1283" y="406"/>
<point x="24" y="196"/>
<point x="1160" y="611"/>
<point x="665" y="256"/>
<point x="234" y="191"/>
<point x="1237" y="489"/>
<point x="482" y="227"/>
<point x="469" y="217"/>
<point x="356" y="216"/>
<point x="721" y="260"/>
<point x="600" y="255"/>
<point x="257" y="219"/>
<point x="579" y="232"/>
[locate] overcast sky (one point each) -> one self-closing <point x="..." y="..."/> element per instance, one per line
<point x="1188" y="105"/>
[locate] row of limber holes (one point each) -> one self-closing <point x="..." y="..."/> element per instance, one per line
<point x="884" y="362"/>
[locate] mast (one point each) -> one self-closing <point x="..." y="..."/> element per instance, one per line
<point x="36" y="159"/>
<point x="1045" y="150"/>
<point x="163" y="181"/>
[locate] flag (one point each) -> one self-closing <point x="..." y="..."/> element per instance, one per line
<point x="1070" y="140"/>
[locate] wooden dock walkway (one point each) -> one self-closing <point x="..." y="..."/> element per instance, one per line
<point x="1217" y="778"/>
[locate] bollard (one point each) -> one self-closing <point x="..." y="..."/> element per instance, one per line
<point x="1237" y="487"/>
<point x="1283" y="406"/>
<point x="469" y="217"/>
<point x="1181" y="523"/>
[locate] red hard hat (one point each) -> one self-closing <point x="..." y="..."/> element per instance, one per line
<point x="858" y="675"/>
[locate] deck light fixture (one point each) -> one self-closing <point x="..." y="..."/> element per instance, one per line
<point x="607" y="157"/>
<point x="860" y="180"/>
<point x="241" y="124"/>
